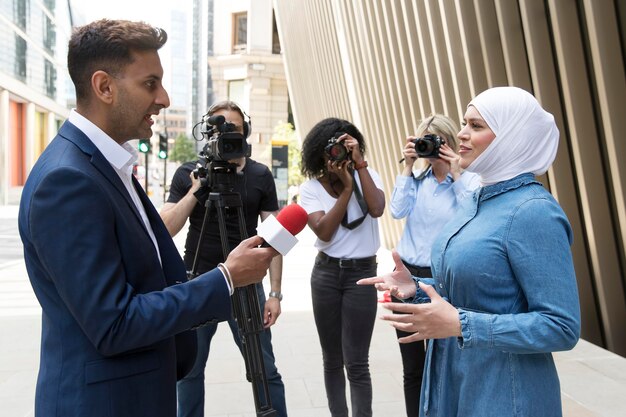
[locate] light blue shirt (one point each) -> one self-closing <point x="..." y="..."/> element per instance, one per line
<point x="427" y="205"/>
<point x="504" y="261"/>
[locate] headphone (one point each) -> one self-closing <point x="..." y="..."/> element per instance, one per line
<point x="231" y="105"/>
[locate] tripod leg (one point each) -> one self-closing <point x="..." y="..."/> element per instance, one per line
<point x="247" y="313"/>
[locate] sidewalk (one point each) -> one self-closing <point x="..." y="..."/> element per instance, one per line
<point x="593" y="381"/>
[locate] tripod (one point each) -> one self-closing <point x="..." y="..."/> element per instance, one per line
<point x="246" y="308"/>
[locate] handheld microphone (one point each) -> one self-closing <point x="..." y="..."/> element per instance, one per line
<point x="279" y="232"/>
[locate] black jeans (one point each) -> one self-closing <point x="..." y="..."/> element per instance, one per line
<point x="344" y="316"/>
<point x="413" y="358"/>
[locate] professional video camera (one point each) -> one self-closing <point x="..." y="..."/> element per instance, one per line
<point x="223" y="145"/>
<point x="428" y="146"/>
<point x="336" y="150"/>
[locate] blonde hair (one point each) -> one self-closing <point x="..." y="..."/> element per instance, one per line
<point x="442" y="126"/>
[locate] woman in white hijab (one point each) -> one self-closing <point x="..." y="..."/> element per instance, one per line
<point x="503" y="294"/>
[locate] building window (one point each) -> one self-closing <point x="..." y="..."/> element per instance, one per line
<point x="49" y="35"/>
<point x="240" y="32"/>
<point x="20" y="58"/>
<point x="50" y="79"/>
<point x="20" y="13"/>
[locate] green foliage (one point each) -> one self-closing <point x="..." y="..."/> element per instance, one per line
<point x="184" y="150"/>
<point x="284" y="132"/>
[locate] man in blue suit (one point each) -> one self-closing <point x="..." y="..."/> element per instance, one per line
<point x="116" y="304"/>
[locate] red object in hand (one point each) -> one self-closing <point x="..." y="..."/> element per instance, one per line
<point x="386" y="298"/>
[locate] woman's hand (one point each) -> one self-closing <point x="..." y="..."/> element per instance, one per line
<point x="410" y="156"/>
<point x="409" y="152"/>
<point x="447" y="154"/>
<point x="399" y="283"/>
<point x="352" y="145"/>
<point x="435" y="320"/>
<point x="340" y="169"/>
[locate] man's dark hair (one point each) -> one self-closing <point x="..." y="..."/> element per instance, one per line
<point x="107" y="45"/>
<point x="313" y="164"/>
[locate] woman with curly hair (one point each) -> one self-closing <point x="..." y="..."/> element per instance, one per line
<point x="343" y="198"/>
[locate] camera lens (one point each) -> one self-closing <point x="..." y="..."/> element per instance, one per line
<point x="228" y="147"/>
<point x="423" y="147"/>
<point x="337" y="152"/>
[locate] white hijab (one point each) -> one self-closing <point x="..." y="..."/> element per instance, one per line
<point x="526" y="135"/>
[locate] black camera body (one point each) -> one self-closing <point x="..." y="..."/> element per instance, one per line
<point x="224" y="144"/>
<point x="428" y="146"/>
<point x="336" y="150"/>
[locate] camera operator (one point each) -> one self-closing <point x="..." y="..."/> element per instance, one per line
<point x="428" y="200"/>
<point x="343" y="198"/>
<point x="255" y="184"/>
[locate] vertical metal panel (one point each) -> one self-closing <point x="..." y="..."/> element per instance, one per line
<point x="456" y="59"/>
<point x="405" y="64"/>
<point x="472" y="51"/>
<point x="545" y="82"/>
<point x="487" y="24"/>
<point x="583" y="133"/>
<point x="418" y="84"/>
<point x="609" y="74"/>
<point x="512" y="35"/>
<point x="427" y="59"/>
<point x="439" y="64"/>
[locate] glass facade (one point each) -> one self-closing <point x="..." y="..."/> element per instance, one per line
<point x="32" y="43"/>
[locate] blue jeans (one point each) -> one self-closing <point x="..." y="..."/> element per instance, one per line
<point x="344" y="316"/>
<point x="191" y="388"/>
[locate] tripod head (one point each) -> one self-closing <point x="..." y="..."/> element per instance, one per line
<point x="216" y="175"/>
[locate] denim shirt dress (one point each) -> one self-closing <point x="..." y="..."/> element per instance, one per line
<point x="504" y="261"/>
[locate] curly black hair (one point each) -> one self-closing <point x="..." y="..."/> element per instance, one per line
<point x="313" y="164"/>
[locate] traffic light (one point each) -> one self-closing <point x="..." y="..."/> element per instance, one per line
<point x="163" y="146"/>
<point x="144" y="145"/>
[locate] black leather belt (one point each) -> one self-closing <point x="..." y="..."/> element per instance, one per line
<point x="347" y="262"/>
<point x="419" y="271"/>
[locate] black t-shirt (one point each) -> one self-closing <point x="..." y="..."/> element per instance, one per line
<point x="257" y="190"/>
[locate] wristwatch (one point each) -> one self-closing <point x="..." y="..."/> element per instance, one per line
<point x="362" y="164"/>
<point x="277" y="294"/>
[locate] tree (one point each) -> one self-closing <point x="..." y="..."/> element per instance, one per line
<point x="184" y="150"/>
<point x="285" y="132"/>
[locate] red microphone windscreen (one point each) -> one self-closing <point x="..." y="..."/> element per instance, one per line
<point x="293" y="218"/>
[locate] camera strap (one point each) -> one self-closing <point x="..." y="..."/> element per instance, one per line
<point x="362" y="204"/>
<point x="423" y="174"/>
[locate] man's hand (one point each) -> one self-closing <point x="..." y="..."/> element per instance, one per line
<point x="195" y="183"/>
<point x="248" y="263"/>
<point x="271" y="312"/>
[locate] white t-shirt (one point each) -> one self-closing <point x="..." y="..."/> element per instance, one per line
<point x="360" y="242"/>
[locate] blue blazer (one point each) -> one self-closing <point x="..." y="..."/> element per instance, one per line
<point x="111" y="312"/>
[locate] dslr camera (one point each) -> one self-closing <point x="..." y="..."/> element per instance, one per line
<point x="336" y="150"/>
<point x="428" y="146"/>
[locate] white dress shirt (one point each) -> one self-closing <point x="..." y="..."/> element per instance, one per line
<point x="121" y="158"/>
